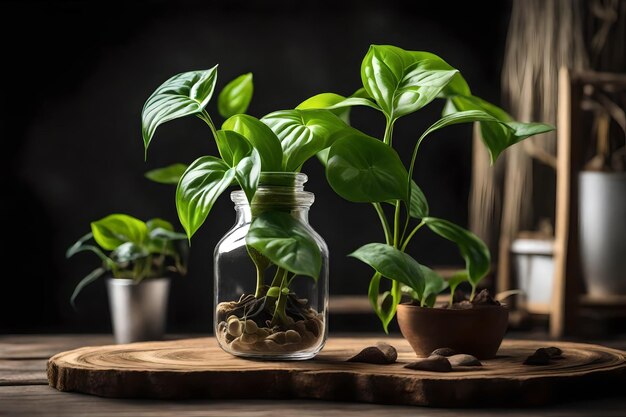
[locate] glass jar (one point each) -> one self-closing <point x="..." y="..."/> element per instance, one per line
<point x="246" y="319"/>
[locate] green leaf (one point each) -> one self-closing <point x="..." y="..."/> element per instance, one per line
<point x="158" y="223"/>
<point x="419" y="205"/>
<point x="286" y="242"/>
<point x="273" y="292"/>
<point x="473" y="250"/>
<point x="339" y="105"/>
<point x="392" y="263"/>
<point x="203" y="182"/>
<point x="232" y="146"/>
<point x="116" y="229"/>
<point x="167" y="175"/>
<point x="303" y="133"/>
<point x="165" y="234"/>
<point x="402" y="82"/>
<point x="260" y="137"/>
<point x="457" y="278"/>
<point x="182" y="95"/>
<point x="363" y="169"/>
<point x="82" y="246"/>
<point x="128" y="252"/>
<point x="235" y="97"/>
<point x="499" y="131"/>
<point x="248" y="172"/>
<point x="433" y="285"/>
<point x="373" y="291"/>
<point x="93" y="275"/>
<point x="326" y="101"/>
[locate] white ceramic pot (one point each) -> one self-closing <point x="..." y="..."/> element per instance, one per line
<point x="602" y="225"/>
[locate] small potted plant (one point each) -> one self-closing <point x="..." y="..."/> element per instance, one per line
<point x="364" y="169"/>
<point x="271" y="267"/>
<point x="137" y="256"/>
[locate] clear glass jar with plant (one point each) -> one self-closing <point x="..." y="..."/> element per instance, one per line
<point x="271" y="268"/>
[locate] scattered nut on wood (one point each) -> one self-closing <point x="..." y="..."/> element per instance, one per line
<point x="381" y="354"/>
<point x="540" y="357"/>
<point x="443" y="352"/>
<point x="543" y="356"/>
<point x="553" y="351"/>
<point x="464" y="360"/>
<point x="433" y="363"/>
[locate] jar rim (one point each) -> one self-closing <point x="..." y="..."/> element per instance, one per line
<point x="284" y="179"/>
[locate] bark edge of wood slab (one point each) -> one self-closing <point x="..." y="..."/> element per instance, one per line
<point x="198" y="368"/>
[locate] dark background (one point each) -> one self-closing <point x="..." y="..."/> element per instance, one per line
<point x="71" y="99"/>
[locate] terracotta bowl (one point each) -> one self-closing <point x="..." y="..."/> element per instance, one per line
<point x="477" y="331"/>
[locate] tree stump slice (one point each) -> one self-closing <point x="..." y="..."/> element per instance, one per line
<point x="198" y="368"/>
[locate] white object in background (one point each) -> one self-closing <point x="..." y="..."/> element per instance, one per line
<point x="534" y="269"/>
<point x="602" y="225"/>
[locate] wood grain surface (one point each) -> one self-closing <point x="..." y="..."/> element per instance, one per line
<point x="197" y="368"/>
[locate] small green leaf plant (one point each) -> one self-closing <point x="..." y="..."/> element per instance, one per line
<point x="280" y="142"/>
<point x="131" y="249"/>
<point x="363" y="169"/>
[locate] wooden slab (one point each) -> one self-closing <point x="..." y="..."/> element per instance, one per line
<point x="198" y="368"/>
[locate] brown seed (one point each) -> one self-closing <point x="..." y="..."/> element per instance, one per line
<point x="464" y="360"/>
<point x="382" y="354"/>
<point x="248" y="339"/>
<point x="433" y="364"/>
<point x="235" y="328"/>
<point x="291" y="336"/>
<point x="250" y="327"/>
<point x="540" y="357"/>
<point x="443" y="352"/>
<point x="553" y="352"/>
<point x="278" y="337"/>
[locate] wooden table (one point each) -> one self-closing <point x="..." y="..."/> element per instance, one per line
<point x="24" y="391"/>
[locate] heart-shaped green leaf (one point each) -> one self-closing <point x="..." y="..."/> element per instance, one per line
<point x="338" y="104"/>
<point x="326" y="101"/>
<point x="167" y="175"/>
<point x="498" y="129"/>
<point x="286" y="242"/>
<point x="303" y="133"/>
<point x="392" y="263"/>
<point x="235" y="97"/>
<point x="402" y="82"/>
<point x="260" y="137"/>
<point x="248" y="172"/>
<point x="232" y="146"/>
<point x="116" y="229"/>
<point x="182" y="95"/>
<point x="199" y="187"/>
<point x="473" y="250"/>
<point x="363" y="169"/>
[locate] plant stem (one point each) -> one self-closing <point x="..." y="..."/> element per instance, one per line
<point x="396" y="226"/>
<point x="207" y="119"/>
<point x="412" y="165"/>
<point x="278" y="276"/>
<point x="260" y="279"/>
<point x="473" y="293"/>
<point x="410" y="236"/>
<point x="279" y="311"/>
<point x="388" y="138"/>
<point x="383" y="222"/>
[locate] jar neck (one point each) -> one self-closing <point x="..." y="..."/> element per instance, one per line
<point x="277" y="191"/>
<point x="244" y="214"/>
